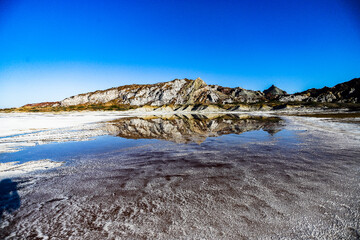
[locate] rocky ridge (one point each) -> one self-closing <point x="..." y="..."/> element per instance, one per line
<point x="176" y="92"/>
<point x="347" y="92"/>
<point x="184" y="92"/>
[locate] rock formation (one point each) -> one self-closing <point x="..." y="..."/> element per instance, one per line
<point x="274" y="92"/>
<point x="184" y="92"/>
<point x="176" y="92"/>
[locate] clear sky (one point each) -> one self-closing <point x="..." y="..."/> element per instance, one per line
<point x="51" y="49"/>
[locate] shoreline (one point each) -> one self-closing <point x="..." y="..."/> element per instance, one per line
<point x="23" y="130"/>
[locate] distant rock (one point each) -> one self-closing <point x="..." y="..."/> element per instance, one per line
<point x="273" y="92"/>
<point x="347" y="92"/>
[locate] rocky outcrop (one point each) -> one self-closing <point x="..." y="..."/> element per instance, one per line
<point x="185" y="92"/>
<point x="347" y="92"/>
<point x="176" y="92"/>
<point x="238" y="95"/>
<point x="191" y="127"/>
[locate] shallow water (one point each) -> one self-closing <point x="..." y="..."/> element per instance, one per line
<point x="193" y="177"/>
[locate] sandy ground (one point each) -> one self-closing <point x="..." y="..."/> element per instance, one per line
<point x="301" y="183"/>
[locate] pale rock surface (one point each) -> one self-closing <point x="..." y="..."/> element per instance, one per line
<point x="192" y="92"/>
<point x="178" y="92"/>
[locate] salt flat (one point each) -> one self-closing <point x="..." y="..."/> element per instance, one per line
<point x="29" y="129"/>
<point x="18" y="123"/>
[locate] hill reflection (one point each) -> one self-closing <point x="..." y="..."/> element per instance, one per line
<point x="190" y="128"/>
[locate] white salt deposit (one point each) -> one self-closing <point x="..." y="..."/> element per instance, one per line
<point x="19" y="130"/>
<point x="19" y="123"/>
<point x="14" y="169"/>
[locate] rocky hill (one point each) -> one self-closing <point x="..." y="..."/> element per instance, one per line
<point x="184" y="92"/>
<point x="177" y="92"/>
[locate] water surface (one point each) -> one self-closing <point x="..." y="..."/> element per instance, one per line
<point x="192" y="177"/>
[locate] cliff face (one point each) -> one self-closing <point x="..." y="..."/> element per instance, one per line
<point x="178" y="92"/>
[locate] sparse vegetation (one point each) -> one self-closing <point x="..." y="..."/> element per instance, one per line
<point x="112" y="106"/>
<point x="115" y="106"/>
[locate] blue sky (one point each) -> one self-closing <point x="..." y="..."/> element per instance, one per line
<point x="50" y="49"/>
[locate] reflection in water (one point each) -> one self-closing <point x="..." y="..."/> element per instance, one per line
<point x="192" y="127"/>
<point x="9" y="198"/>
